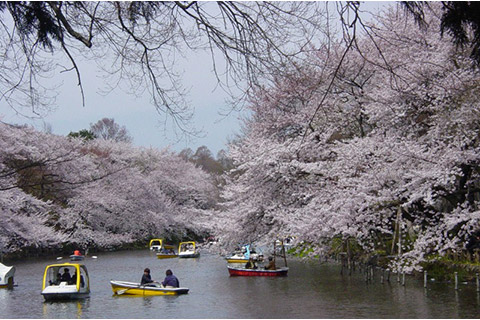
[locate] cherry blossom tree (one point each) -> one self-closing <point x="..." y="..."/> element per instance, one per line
<point x="57" y="192"/>
<point x="378" y="145"/>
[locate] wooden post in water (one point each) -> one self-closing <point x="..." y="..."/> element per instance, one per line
<point x="348" y="258"/>
<point x="425" y="278"/>
<point x="388" y="275"/>
<point x="478" y="282"/>
<point x="274" y="252"/>
<point x="382" y="275"/>
<point x="456" y="280"/>
<point x="403" y="279"/>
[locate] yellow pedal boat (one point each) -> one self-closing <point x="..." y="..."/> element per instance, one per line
<point x="65" y="287"/>
<point x="153" y="289"/>
<point x="188" y="250"/>
<point x="155" y="244"/>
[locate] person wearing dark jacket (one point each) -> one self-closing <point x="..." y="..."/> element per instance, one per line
<point x="170" y="280"/>
<point x="146" y="278"/>
<point x="66" y="277"/>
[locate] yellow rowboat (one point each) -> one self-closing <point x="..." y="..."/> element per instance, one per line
<point x="152" y="289"/>
<point x="166" y="255"/>
<point x="167" y="252"/>
<point x="244" y="254"/>
<point x="234" y="260"/>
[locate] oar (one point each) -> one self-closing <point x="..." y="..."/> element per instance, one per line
<point x="122" y="291"/>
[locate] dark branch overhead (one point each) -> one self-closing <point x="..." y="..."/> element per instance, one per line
<point x="460" y="19"/>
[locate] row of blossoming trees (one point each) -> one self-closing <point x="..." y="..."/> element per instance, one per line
<point x="57" y="193"/>
<point x="385" y="156"/>
<point x="376" y="146"/>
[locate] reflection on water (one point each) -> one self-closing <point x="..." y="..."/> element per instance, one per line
<point x="61" y="308"/>
<point x="147" y="302"/>
<point x="311" y="290"/>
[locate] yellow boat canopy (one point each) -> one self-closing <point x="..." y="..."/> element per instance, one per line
<point x="184" y="246"/>
<point x="155" y="242"/>
<point x="51" y="271"/>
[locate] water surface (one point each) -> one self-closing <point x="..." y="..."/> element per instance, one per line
<point x="311" y="290"/>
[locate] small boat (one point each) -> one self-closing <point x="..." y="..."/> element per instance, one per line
<point x="155" y="244"/>
<point x="57" y="286"/>
<point x="234" y="271"/>
<point x="254" y="271"/>
<point x="187" y="250"/>
<point x="155" y="289"/>
<point x="243" y="255"/>
<point x="237" y="258"/>
<point x="6" y="276"/>
<point x="167" y="252"/>
<point x="77" y="256"/>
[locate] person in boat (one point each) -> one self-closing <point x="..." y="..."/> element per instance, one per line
<point x="74" y="280"/>
<point x="146" y="278"/>
<point x="170" y="280"/>
<point x="77" y="253"/>
<point x="250" y="264"/>
<point x="66" y="277"/>
<point x="271" y="264"/>
<point x="56" y="281"/>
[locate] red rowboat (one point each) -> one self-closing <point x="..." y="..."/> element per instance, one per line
<point x="257" y="272"/>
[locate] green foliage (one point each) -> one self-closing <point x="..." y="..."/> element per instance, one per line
<point x="443" y="268"/>
<point x="380" y="252"/>
<point x="84" y="134"/>
<point x="340" y="244"/>
<point x="301" y="251"/>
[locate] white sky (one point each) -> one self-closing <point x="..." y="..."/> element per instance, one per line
<point x="138" y="115"/>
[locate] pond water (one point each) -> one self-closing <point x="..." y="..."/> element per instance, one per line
<point x="311" y="290"/>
